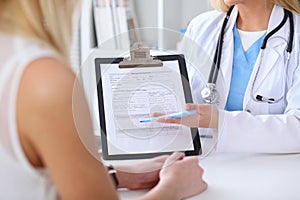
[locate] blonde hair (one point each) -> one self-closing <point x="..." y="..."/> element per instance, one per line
<point x="46" y="21"/>
<point x="292" y="5"/>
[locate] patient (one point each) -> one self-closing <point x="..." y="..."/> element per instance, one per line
<point x="42" y="155"/>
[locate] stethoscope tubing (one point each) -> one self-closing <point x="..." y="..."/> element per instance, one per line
<point x="218" y="54"/>
<point x="215" y="67"/>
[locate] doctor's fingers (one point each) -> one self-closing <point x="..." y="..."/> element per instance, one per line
<point x="189" y="121"/>
<point x="208" y="114"/>
<point x="169" y="120"/>
<point x="157" y="114"/>
<point x="200" y="108"/>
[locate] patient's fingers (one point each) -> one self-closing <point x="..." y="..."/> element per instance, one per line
<point x="173" y="158"/>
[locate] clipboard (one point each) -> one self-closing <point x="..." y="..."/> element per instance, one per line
<point x="127" y="94"/>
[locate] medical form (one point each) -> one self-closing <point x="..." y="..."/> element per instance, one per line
<point x="132" y="94"/>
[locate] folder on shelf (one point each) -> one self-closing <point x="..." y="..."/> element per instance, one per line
<point x="104" y="26"/>
<point x="123" y="28"/>
<point x="87" y="32"/>
<point x="111" y="24"/>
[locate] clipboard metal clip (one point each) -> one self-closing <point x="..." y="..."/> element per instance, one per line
<point x="140" y="57"/>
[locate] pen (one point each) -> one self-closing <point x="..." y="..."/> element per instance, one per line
<point x="174" y="115"/>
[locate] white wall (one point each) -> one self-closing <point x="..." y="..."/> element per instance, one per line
<point x="177" y="14"/>
<point x="191" y="8"/>
<point x="146" y="13"/>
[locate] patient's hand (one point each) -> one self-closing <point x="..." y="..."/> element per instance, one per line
<point x="180" y="178"/>
<point x="141" y="176"/>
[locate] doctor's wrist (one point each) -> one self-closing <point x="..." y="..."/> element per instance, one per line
<point x="214" y="122"/>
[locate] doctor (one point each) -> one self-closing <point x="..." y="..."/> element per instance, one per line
<point x="259" y="88"/>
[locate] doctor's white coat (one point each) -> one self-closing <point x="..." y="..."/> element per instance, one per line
<point x="260" y="127"/>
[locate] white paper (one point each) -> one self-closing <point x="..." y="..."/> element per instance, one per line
<point x="133" y="94"/>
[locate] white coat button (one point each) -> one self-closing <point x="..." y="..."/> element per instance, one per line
<point x="249" y="111"/>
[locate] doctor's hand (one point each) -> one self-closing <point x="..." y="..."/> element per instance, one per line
<point x="207" y="116"/>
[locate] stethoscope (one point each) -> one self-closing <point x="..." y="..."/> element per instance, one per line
<point x="210" y="94"/>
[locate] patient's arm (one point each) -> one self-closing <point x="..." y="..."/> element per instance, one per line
<point x="49" y="134"/>
<point x="55" y="128"/>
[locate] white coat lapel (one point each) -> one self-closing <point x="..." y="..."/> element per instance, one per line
<point x="270" y="57"/>
<point x="256" y="81"/>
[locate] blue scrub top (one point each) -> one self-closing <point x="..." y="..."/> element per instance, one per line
<point x="243" y="64"/>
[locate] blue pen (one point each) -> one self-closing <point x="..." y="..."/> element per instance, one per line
<point x="174" y="115"/>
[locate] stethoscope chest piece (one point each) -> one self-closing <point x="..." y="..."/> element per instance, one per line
<point x="210" y="94"/>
